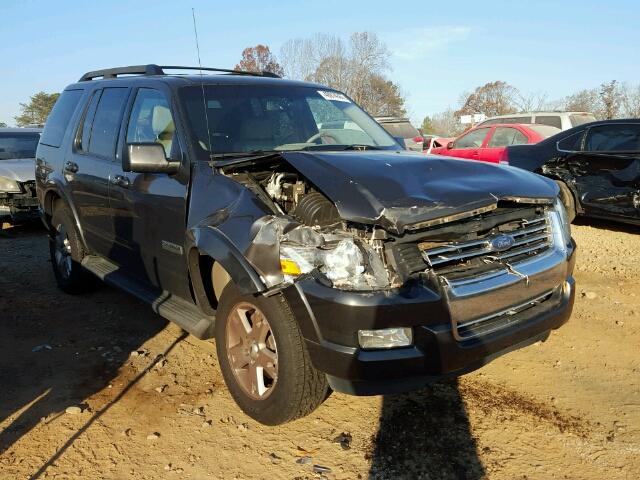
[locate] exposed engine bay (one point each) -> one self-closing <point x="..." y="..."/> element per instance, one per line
<point x="308" y="235"/>
<point x="311" y="234"/>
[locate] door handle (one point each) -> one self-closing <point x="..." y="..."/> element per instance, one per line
<point x="71" y="167"/>
<point x="121" y="181"/>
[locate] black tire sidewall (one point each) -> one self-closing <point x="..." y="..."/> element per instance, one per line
<point x="283" y="403"/>
<point x="78" y="280"/>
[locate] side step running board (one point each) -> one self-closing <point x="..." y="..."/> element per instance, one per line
<point x="175" y="309"/>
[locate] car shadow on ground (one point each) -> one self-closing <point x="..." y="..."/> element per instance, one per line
<point x="57" y="350"/>
<point x="607" y="225"/>
<point x="425" y="434"/>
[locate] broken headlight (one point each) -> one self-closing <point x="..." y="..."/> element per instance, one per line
<point x="8" y="185"/>
<point x="563" y="221"/>
<point x="347" y="264"/>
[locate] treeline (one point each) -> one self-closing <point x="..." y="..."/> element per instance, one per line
<point x="360" y="67"/>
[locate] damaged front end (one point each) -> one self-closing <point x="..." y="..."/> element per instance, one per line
<point x="283" y="250"/>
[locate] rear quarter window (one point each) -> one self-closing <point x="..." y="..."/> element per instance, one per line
<point x="401" y="129"/>
<point x="551" y="120"/>
<point x="59" y="117"/>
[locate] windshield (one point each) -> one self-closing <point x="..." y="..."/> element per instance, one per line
<point x="18" y="145"/>
<point x="248" y="118"/>
<point x="580" y="118"/>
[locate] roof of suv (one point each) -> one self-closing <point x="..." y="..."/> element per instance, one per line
<point x="20" y="130"/>
<point x="224" y="76"/>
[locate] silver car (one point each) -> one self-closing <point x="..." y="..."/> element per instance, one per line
<point x="18" y="200"/>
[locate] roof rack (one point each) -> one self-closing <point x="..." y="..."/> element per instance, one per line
<point x="153" y="69"/>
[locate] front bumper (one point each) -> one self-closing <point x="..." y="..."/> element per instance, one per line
<point x="330" y="319"/>
<point x="18" y="206"/>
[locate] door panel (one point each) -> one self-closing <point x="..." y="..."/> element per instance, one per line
<point x="88" y="167"/>
<point x="468" y="145"/>
<point x="607" y="171"/>
<point x="150" y="208"/>
<point x="498" y="141"/>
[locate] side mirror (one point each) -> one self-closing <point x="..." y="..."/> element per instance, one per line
<point x="148" y="158"/>
<point x="449" y="145"/>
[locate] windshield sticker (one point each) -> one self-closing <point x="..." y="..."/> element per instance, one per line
<point x="333" y="96"/>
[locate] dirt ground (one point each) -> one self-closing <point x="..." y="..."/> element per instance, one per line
<point x="566" y="408"/>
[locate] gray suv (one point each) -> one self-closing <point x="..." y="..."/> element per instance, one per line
<point x="281" y="219"/>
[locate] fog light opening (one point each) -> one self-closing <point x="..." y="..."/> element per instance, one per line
<point x="385" y="338"/>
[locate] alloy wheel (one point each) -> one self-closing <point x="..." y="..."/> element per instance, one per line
<point x="251" y="350"/>
<point x="62" y="252"/>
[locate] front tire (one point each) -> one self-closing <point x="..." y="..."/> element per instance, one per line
<point x="67" y="251"/>
<point x="263" y="358"/>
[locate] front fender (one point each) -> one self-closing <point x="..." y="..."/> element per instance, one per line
<point x="214" y="243"/>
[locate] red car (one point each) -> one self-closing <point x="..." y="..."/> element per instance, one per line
<point x="489" y="143"/>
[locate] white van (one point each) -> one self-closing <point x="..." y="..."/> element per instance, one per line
<point x="561" y="120"/>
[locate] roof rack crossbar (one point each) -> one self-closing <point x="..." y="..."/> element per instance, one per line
<point x="153" y="69"/>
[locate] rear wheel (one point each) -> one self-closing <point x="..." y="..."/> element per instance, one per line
<point x="263" y="358"/>
<point x="569" y="202"/>
<point x="66" y="252"/>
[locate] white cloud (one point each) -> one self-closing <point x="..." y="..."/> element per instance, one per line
<point x="419" y="43"/>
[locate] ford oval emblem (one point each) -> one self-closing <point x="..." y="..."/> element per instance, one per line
<point x="501" y="243"/>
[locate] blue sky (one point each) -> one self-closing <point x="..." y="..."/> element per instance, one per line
<point x="439" y="49"/>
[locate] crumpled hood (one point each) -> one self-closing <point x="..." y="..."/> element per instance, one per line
<point x="19" y="169"/>
<point x="396" y="189"/>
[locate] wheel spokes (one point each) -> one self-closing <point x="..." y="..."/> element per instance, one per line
<point x="251" y="350"/>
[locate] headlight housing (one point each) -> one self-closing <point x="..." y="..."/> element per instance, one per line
<point x="7" y="185"/>
<point x="563" y="221"/>
<point x="348" y="265"/>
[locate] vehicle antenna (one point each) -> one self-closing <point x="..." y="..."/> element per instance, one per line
<point x="204" y="100"/>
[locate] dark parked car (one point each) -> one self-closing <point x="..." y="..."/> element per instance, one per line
<point x="18" y="200"/>
<point x="596" y="165"/>
<point x="317" y="257"/>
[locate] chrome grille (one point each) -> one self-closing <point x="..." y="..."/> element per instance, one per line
<point x="504" y="318"/>
<point x="527" y="237"/>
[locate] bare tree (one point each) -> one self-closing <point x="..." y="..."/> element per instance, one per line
<point x="300" y="57"/>
<point x="259" y="59"/>
<point x="446" y="123"/>
<point x="584" y="101"/>
<point x="493" y="98"/>
<point x="532" y="102"/>
<point x="357" y="68"/>
<point x="3" y="125"/>
<point x="610" y="97"/>
<point x="631" y="101"/>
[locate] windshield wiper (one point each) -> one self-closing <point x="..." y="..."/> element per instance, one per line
<point x="341" y="148"/>
<point x="356" y="146"/>
<point x="231" y="155"/>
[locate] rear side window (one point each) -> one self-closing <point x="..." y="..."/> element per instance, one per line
<point x="472" y="139"/>
<point x="504" y="136"/>
<point x="106" y="122"/>
<point x="613" y="138"/>
<point x="59" y="117"/>
<point x="581" y="118"/>
<point x="515" y="120"/>
<point x="551" y="120"/>
<point x="571" y="143"/>
<point x="401" y="129"/>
